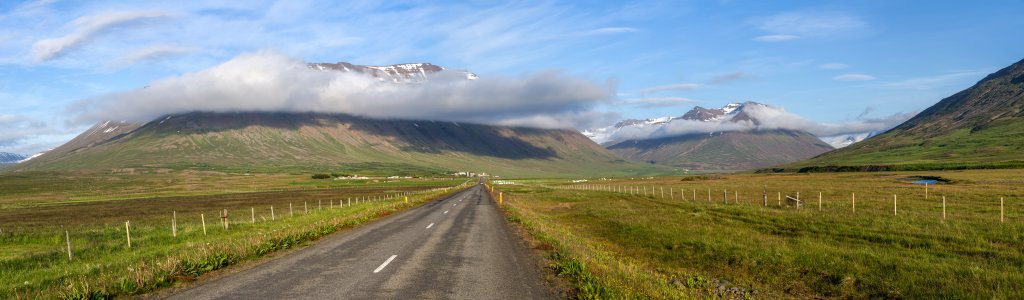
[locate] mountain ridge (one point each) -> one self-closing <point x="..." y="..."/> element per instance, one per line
<point x="979" y="127"/>
<point x="262" y="141"/>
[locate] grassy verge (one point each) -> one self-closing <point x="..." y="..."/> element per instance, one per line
<point x="37" y="266"/>
<point x="614" y="244"/>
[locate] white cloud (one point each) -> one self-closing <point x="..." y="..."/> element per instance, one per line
<point x="27" y="135"/>
<point x="793" y="25"/>
<point x="777" y="38"/>
<point x="612" y="30"/>
<point x="86" y="28"/>
<point x="150" y="53"/>
<point x="688" y="86"/>
<point x="727" y="78"/>
<point x="267" y="81"/>
<point x="833" y="66"/>
<point x="854" y="77"/>
<point x="932" y="82"/>
<point x="652" y="102"/>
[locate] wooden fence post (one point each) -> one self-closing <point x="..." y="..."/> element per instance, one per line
<point x="926" y="191"/>
<point x="174" y="223"/>
<point x="725" y="196"/>
<point x="305" y="207"/>
<point x="1001" y="219"/>
<point x="272" y="217"/>
<point x="780" y="199"/>
<point x="225" y="217"/>
<point x="819" y="201"/>
<point x="943" y="208"/>
<point x="291" y="213"/>
<point x="765" y="195"/>
<point x="67" y="237"/>
<point x="894" y="204"/>
<point x="253" y="214"/>
<point x="203" y="218"/>
<point x="128" y="234"/>
<point x="854" y="201"/>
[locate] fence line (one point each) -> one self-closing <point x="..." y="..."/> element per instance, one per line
<point x="798" y="203"/>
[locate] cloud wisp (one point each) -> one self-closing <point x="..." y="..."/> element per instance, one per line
<point x="151" y="52"/>
<point x="268" y="81"/>
<point x="777" y="38"/>
<point x="88" y="27"/>
<point x="800" y="25"/>
<point x="854" y="77"/>
<point x="833" y="66"/>
<point x="686" y="86"/>
<point x="656" y="102"/>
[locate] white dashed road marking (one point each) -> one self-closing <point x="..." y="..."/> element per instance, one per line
<point x="385" y="264"/>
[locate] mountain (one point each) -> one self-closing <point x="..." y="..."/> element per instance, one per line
<point x="732" y="150"/>
<point x="10" y="158"/>
<point x="315" y="142"/>
<point x="400" y="73"/>
<point x="335" y="143"/>
<point x="734" y="142"/>
<point x="979" y="127"/>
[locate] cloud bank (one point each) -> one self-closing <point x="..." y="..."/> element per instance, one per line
<point x="769" y="118"/>
<point x="271" y="82"/>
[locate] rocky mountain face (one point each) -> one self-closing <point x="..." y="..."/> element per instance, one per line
<point x="981" y="126"/>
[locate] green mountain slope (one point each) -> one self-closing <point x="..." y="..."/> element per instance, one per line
<point x="308" y="142"/>
<point x="980" y="127"/>
<point x="725" y="151"/>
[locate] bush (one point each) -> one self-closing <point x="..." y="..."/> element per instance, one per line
<point x="321" y="176"/>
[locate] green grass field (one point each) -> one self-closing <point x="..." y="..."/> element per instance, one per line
<point x="38" y="208"/>
<point x="612" y="244"/>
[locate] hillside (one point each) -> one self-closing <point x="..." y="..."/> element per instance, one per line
<point x="736" y="150"/>
<point x="734" y="143"/>
<point x="301" y="142"/>
<point x="980" y="127"/>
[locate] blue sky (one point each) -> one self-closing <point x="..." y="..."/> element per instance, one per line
<point x="827" y="61"/>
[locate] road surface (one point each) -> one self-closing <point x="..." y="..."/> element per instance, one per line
<point x="456" y="248"/>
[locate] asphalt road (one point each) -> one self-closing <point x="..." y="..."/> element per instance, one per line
<point x="456" y="248"/>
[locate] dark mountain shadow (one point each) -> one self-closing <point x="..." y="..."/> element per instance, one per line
<point x="415" y="136"/>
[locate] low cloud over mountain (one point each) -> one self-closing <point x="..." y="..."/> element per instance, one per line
<point x="268" y="81"/>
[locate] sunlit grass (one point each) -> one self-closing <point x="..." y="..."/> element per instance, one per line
<point x="649" y="246"/>
<point x="34" y="261"/>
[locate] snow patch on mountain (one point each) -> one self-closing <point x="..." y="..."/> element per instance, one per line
<point x="400" y="73"/>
